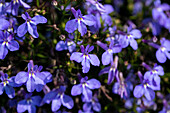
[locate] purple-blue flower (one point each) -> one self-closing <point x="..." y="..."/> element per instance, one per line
<point x="92" y="104"/>
<point x="7" y="84"/>
<point x="107" y="56"/>
<point x="145" y="88"/>
<point x="58" y="98"/>
<point x="30" y="25"/>
<point x="158" y="12"/>
<point x="29" y="103"/>
<point x="15" y="6"/>
<point x="85" y="58"/>
<point x="130" y="37"/>
<point x="84" y="88"/>
<point x="122" y="87"/>
<point x="34" y="79"/>
<point x="7" y="42"/>
<point x="153" y="74"/>
<point x="163" y="51"/>
<point x="111" y="70"/>
<point x="79" y="22"/>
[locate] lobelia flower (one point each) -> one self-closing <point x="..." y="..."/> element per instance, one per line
<point x="58" y="97"/>
<point x="15" y="6"/>
<point x="107" y="56"/>
<point x="29" y="103"/>
<point x="80" y="22"/>
<point x="145" y="88"/>
<point x="130" y="37"/>
<point x="85" y="58"/>
<point x="158" y="12"/>
<point x="84" y="88"/>
<point x="163" y="51"/>
<point x="30" y="25"/>
<point x="68" y="44"/>
<point x="7" y="84"/>
<point x="122" y="87"/>
<point x="93" y="103"/>
<point x="34" y="79"/>
<point x="111" y="70"/>
<point x="7" y="42"/>
<point x="153" y="74"/>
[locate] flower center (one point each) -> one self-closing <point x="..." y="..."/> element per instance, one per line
<point x="31" y="75"/>
<point x="110" y="51"/>
<point x="69" y="43"/>
<point x="5" y="82"/>
<point x="29" y="101"/>
<point x="129" y="36"/>
<point x="163" y="49"/>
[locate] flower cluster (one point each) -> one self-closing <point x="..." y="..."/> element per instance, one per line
<point x="71" y="49"/>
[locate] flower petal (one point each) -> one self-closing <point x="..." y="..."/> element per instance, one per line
<point x="160" y="56"/>
<point x="89" y="20"/>
<point x="71" y="26"/>
<point x="13" y="45"/>
<point x="4" y="24"/>
<point x="76" y="90"/>
<point x="138" y="91"/>
<point x="82" y="28"/>
<point x="39" y="19"/>
<point x="149" y="94"/>
<point x="94" y="60"/>
<point x="21" y="77"/>
<point x="30" y="85"/>
<point x="93" y="84"/>
<point x="3" y="51"/>
<point x="22" y="106"/>
<point x="49" y="97"/>
<point x="87" y="106"/>
<point x="10" y="91"/>
<point x="56" y="103"/>
<point x="22" y="29"/>
<point x="106" y="58"/>
<point x="134" y="44"/>
<point x="67" y="101"/>
<point x="77" y="56"/>
<point x="32" y="29"/>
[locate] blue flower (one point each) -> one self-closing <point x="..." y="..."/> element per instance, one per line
<point x="84" y="88"/>
<point x="7" y="84"/>
<point x="107" y="56"/>
<point x="111" y="70"/>
<point x="163" y="51"/>
<point x="85" y="58"/>
<point x="93" y="103"/>
<point x="15" y="6"/>
<point x="29" y="103"/>
<point x="153" y="74"/>
<point x="7" y="42"/>
<point x="79" y="23"/>
<point x="30" y="25"/>
<point x="130" y="37"/>
<point x="145" y="88"/>
<point x="34" y="79"/>
<point x="58" y="97"/>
